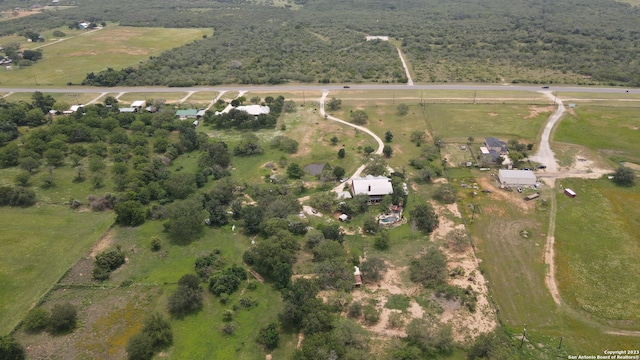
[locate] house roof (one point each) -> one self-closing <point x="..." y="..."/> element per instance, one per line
<point x="372" y="185"/>
<point x="187" y="113"/>
<point x="493" y="142"/>
<point x="138" y="103"/>
<point x="201" y="113"/>
<point x="517" y="176"/>
<point x="344" y="195"/>
<point x="254" y="109"/>
<point x="127" y="109"/>
<point x="484" y="150"/>
<point x="75" y="108"/>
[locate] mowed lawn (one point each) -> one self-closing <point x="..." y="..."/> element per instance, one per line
<point x="597" y="250"/>
<point x="587" y="126"/>
<point x="111" y="47"/>
<point x="38" y="245"/>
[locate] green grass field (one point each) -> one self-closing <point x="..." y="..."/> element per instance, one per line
<point x="457" y="122"/>
<point x="38" y="245"/>
<point x="597" y="250"/>
<point x="590" y="124"/>
<point x="82" y="52"/>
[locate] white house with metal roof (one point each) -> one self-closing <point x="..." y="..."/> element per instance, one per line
<point x="517" y="177"/>
<point x="254" y="110"/>
<point x="374" y="186"/>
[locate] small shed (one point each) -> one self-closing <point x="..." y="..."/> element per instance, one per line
<point x="570" y="193"/>
<point x="343" y="217"/>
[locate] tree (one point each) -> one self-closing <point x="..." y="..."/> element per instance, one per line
<point x="370" y="225"/>
<point x="159" y="330"/>
<point x="54" y="157"/>
<point x="446" y="194"/>
<point x="187" y="297"/>
<point x="186" y="220"/>
<point x="430" y="338"/>
<point x="140" y="347"/>
<point x="29" y="163"/>
<point x="180" y="185"/>
<point x="387" y="151"/>
<point x="341" y="154"/>
<point x="10" y="349"/>
<point x="130" y="213"/>
<point x="373" y="270"/>
<point x="430" y="269"/>
<point x="334" y="104"/>
<point x="295" y="171"/>
<point x="106" y="262"/>
<point x="470" y="140"/>
<point x="63" y="318"/>
<point x="388" y="136"/>
<point x="382" y="240"/>
<point x="338" y="172"/>
<point x="368" y="150"/>
<point x="22" y="178"/>
<point x="376" y="166"/>
<point x="403" y="109"/>
<point x="269" y="336"/>
<point x="334" y="140"/>
<point x="418" y="137"/>
<point x="282" y="273"/>
<point x="624" y="176"/>
<point x="359" y="117"/>
<point x="424" y="217"/>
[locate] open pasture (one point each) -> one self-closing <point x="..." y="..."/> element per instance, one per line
<point x="114" y="46"/>
<point x="457" y="122"/>
<point x="598" y="245"/>
<point x="612" y="132"/>
<point x="38" y="245"/>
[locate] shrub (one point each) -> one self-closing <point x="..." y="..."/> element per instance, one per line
<point x="371" y="315"/>
<point x="187" y="297"/>
<point x="140" y="347"/>
<point x="63" y="318"/>
<point x="457" y="240"/>
<point x="106" y="262"/>
<point x="159" y="330"/>
<point x="624" y="176"/>
<point x="446" y="194"/>
<point x="227" y="315"/>
<point x="373" y="270"/>
<point x="269" y="336"/>
<point x="229" y="328"/>
<point x="37" y="319"/>
<point x="10" y="349"/>
<point x="156" y="244"/>
<point x="355" y="309"/>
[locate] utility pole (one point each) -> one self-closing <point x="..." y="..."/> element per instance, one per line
<point x="474" y="97"/>
<point x="560" y="345"/>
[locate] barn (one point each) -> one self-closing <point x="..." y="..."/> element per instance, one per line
<point x="516" y="177"/>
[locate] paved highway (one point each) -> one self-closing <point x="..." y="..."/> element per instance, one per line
<point x="321" y="87"/>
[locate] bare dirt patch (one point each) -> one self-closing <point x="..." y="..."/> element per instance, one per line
<point x="492" y="114"/>
<point x="105" y="242"/>
<point x="536" y="110"/>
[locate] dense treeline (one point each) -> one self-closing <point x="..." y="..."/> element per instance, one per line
<point x="324" y="41"/>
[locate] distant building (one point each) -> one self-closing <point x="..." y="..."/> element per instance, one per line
<point x="377" y="37"/>
<point x="254" y="110"/>
<point x="138" y="104"/>
<point x="374" y="186"/>
<point x="517" y="177"/>
<point x="186" y="114"/>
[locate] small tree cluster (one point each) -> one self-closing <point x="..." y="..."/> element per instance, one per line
<point x="269" y="336"/>
<point x="18" y="196"/>
<point x="228" y="280"/>
<point x="187" y="297"/>
<point x="424" y="217"/>
<point x="206" y="265"/>
<point x="106" y="262"/>
<point x="624" y="176"/>
<point x="446" y="194"/>
<point x="155" y="335"/>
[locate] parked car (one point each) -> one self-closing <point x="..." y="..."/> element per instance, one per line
<point x="545" y="87"/>
<point x="346" y="86"/>
<point x="542" y="167"/>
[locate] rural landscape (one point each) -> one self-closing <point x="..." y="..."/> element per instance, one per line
<point x="316" y="180"/>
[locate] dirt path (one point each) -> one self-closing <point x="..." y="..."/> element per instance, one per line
<point x="544" y="155"/>
<point x="549" y="253"/>
<point x="406" y="68"/>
